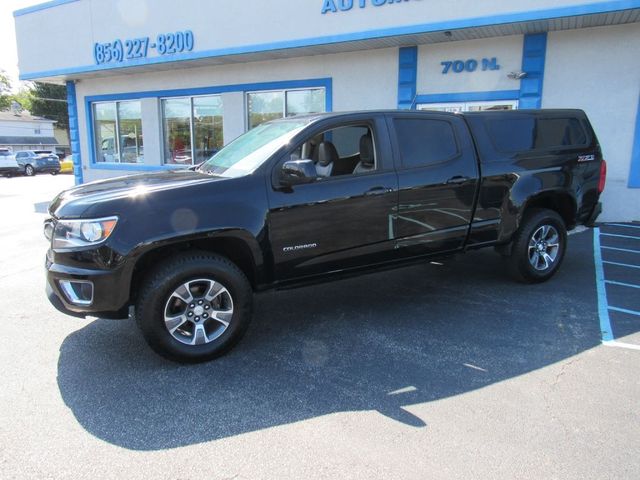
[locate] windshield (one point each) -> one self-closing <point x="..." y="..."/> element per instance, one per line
<point x="249" y="151"/>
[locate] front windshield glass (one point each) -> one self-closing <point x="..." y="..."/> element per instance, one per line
<point x="249" y="151"/>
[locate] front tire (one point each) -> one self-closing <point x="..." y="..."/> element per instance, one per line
<point x="195" y="307"/>
<point x="538" y="247"/>
<point x="29" y="171"/>
<point x="54" y="173"/>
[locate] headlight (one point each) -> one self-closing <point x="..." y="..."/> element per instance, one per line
<point x="82" y="233"/>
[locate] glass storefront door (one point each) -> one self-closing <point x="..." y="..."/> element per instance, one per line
<point x="455" y="107"/>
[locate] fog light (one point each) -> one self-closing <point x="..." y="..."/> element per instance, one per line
<point x="78" y="292"/>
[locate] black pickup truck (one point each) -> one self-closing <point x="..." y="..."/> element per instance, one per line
<point x="305" y="199"/>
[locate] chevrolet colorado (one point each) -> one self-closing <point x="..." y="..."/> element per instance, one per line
<point x="311" y="198"/>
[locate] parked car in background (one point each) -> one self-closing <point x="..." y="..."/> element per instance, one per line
<point x="8" y="164"/>
<point x="38" y="161"/>
<point x="66" y="164"/>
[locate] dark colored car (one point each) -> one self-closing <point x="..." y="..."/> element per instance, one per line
<point x="38" y="161"/>
<point x="308" y="199"/>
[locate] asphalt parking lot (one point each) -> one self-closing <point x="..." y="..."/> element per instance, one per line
<point x="435" y="371"/>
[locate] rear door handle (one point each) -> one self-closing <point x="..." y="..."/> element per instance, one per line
<point x="378" y="191"/>
<point x="457" y="180"/>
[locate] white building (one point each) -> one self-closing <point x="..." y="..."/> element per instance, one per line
<point x="155" y="84"/>
<point x="22" y="131"/>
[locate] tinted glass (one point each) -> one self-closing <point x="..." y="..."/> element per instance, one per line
<point x="530" y="133"/>
<point x="425" y="141"/>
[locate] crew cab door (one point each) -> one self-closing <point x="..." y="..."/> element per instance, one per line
<point x="438" y="182"/>
<point x="342" y="219"/>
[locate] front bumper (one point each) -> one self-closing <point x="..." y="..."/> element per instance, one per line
<point x="111" y="291"/>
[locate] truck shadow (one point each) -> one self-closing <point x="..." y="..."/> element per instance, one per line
<point x="381" y="342"/>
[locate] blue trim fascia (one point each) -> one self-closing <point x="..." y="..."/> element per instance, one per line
<point x="41" y="6"/>
<point x="407" y="77"/>
<point x="326" y="83"/>
<point x="491" y="20"/>
<point x="534" y="53"/>
<point x="467" y="97"/>
<point x="74" y="131"/>
<point x="634" y="174"/>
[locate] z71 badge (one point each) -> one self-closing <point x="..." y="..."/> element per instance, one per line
<point x="586" y="158"/>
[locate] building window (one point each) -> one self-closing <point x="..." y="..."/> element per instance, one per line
<point x="118" y="132"/>
<point x="265" y="106"/>
<point x="192" y="129"/>
<point x="37" y="131"/>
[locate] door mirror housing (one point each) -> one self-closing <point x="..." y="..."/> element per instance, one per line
<point x="298" y="172"/>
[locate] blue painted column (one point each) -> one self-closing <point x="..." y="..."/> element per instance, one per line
<point x="533" y="58"/>
<point x="407" y="77"/>
<point x="634" y="175"/>
<point x="74" y="131"/>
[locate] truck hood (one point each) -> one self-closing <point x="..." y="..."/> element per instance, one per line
<point x="115" y="194"/>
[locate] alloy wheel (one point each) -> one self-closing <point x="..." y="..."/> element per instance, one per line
<point x="198" y="312"/>
<point x="544" y="247"/>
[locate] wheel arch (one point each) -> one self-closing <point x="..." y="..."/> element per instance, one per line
<point x="560" y="201"/>
<point x="239" y="246"/>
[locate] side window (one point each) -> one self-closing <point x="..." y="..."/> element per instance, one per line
<point x="347" y="150"/>
<point x="518" y="134"/>
<point x="424" y="142"/>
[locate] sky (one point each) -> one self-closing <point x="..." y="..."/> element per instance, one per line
<point x="8" y="52"/>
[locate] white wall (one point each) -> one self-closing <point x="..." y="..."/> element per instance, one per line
<point x="223" y="25"/>
<point x="507" y="50"/>
<point x="25" y="129"/>
<point x="598" y="71"/>
<point x="361" y="80"/>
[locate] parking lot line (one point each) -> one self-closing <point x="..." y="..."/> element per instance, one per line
<point x="624" y="310"/>
<point x="621" y="264"/>
<point x="622" y="225"/>
<point x="619" y="236"/>
<point x="603" y="310"/>
<point x="615" y="343"/>
<point x="621" y="284"/>
<point x="627" y="250"/>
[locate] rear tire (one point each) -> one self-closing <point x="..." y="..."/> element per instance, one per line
<point x="194" y="307"/>
<point x="538" y="247"/>
<point x="29" y="171"/>
<point x="54" y="173"/>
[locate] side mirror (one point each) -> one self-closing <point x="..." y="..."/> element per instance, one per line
<point x="297" y="172"/>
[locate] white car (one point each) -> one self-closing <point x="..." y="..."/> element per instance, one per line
<point x="8" y="164"/>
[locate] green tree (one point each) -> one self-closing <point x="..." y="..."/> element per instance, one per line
<point x="5" y="91"/>
<point x="50" y="101"/>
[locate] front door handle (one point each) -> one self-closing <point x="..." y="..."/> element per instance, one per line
<point x="377" y="191"/>
<point x="457" y="180"/>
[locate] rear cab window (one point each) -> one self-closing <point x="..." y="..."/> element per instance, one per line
<point x="531" y="133"/>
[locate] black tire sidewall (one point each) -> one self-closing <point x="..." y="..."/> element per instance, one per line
<point x="151" y="304"/>
<point x="520" y="256"/>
